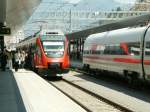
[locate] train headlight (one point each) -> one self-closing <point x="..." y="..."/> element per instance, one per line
<point x="61" y="53"/>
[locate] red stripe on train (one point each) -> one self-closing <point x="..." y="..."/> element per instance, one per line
<point x="127" y="60"/>
<point x="147" y="62"/>
<point x="96" y="57"/>
<point x="124" y="60"/>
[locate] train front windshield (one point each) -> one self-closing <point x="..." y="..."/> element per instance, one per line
<point x="53" y="45"/>
<point x="53" y="49"/>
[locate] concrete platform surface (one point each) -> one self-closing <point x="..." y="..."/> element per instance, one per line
<point x="10" y="99"/>
<point x="129" y="99"/>
<point x="39" y="96"/>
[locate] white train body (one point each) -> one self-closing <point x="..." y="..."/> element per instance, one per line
<point x="125" y="50"/>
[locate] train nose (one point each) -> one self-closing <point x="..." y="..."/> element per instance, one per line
<point x="54" y="65"/>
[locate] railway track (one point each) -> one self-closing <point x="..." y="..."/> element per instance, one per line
<point x="90" y="101"/>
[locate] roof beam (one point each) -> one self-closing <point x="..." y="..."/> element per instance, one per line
<point x="128" y="22"/>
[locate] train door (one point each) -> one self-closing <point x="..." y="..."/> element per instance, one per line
<point x="36" y="56"/>
<point x="39" y="56"/>
<point x="146" y="59"/>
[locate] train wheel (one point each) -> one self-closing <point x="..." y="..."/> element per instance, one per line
<point x="35" y="69"/>
<point x="133" y="79"/>
<point x="86" y="68"/>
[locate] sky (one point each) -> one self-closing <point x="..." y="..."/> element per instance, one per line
<point x="73" y="1"/>
<point x="121" y="1"/>
<point x="126" y="1"/>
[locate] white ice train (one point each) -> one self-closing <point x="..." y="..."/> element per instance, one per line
<point x="126" y="51"/>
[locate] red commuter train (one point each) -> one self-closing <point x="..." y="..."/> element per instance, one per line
<point x="48" y="50"/>
<point x="126" y="51"/>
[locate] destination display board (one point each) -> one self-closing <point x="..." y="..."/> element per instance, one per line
<point x="5" y="31"/>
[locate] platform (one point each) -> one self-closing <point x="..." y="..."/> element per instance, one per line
<point x="129" y="98"/>
<point x="10" y="98"/>
<point x="24" y="91"/>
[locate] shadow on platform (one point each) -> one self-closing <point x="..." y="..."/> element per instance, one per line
<point x="117" y="83"/>
<point x="10" y="97"/>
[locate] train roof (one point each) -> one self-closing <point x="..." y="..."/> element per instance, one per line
<point x="51" y="32"/>
<point x="115" y="36"/>
<point x="31" y="39"/>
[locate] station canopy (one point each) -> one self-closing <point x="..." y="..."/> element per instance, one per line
<point x="127" y="22"/>
<point x="18" y="12"/>
<point x="49" y="14"/>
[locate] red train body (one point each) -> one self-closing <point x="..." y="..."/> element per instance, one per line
<point x="48" y="51"/>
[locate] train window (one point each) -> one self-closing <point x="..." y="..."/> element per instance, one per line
<point x="38" y="51"/>
<point x="147" y="49"/>
<point x="94" y="52"/>
<point x="147" y="43"/>
<point x="98" y="52"/>
<point x="114" y="50"/>
<point x="134" y="48"/>
<point x="33" y="48"/>
<point x="120" y="51"/>
<point x="107" y="50"/>
<point x="86" y="52"/>
<point x="54" y="48"/>
<point x="52" y="37"/>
